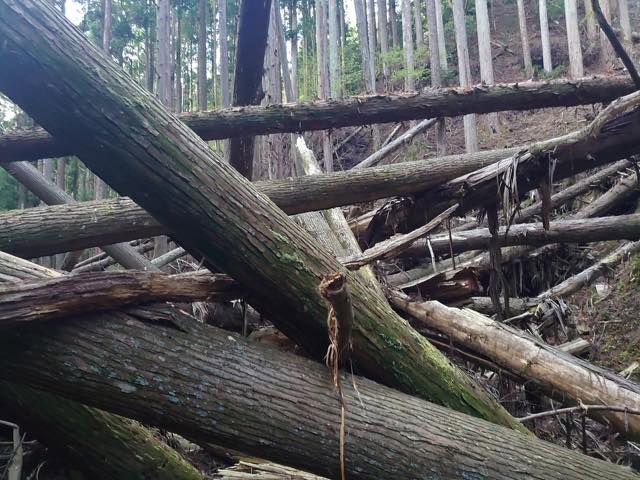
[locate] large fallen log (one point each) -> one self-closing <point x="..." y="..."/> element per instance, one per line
<point x="364" y="110"/>
<point x="143" y="150"/>
<point x="94" y="292"/>
<point x="104" y="445"/>
<point x="212" y="386"/>
<point x="611" y="136"/>
<point x="530" y="358"/>
<point x="622" y="227"/>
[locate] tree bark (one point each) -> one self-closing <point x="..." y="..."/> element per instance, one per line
<point x="86" y="293"/>
<point x="576" y="68"/>
<point x="592" y="25"/>
<point x="288" y="411"/>
<point x="383" y="38"/>
<point x="293" y="17"/>
<point x="334" y="59"/>
<point x="104" y="446"/>
<point x="176" y="179"/>
<point x="524" y="38"/>
<point x="417" y="18"/>
<point x="549" y="366"/>
<point x="625" y="21"/>
<point x="562" y="231"/>
<point x="27" y="174"/>
<point x="393" y="20"/>
<point x="464" y="72"/>
<point x="407" y="46"/>
<point x="484" y="52"/>
<point x="607" y="55"/>
<point x="202" y="55"/>
<point x="444" y="61"/>
<point x="544" y="37"/>
<point x="253" y="28"/>
<point x="323" y="115"/>
<point x="436" y="70"/>
<point x="323" y="74"/>
<point x="224" y="54"/>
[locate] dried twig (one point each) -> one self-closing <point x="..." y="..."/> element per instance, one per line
<point x="580" y="408"/>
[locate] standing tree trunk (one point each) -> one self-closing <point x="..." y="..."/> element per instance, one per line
<point x="202" y="55"/>
<point x="625" y="22"/>
<point x="407" y="45"/>
<point x="100" y="188"/>
<point x="544" y="37"/>
<point x="524" y="38"/>
<point x="214" y="49"/>
<point x="592" y="25"/>
<point x="484" y="50"/>
<point x="607" y="55"/>
<point x="417" y="18"/>
<point x="178" y="70"/>
<point x="442" y="46"/>
<point x="436" y="73"/>
<point x="334" y="59"/>
<point x="293" y="26"/>
<point x="171" y="173"/>
<point x="371" y="30"/>
<point x="576" y="68"/>
<point x="251" y="43"/>
<point x="464" y="72"/>
<point x="323" y="74"/>
<point x="384" y="42"/>
<point x="393" y="20"/>
<point x="224" y="54"/>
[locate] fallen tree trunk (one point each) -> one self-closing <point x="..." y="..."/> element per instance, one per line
<point x="611" y="136"/>
<point x="330" y="114"/>
<point x="49" y="193"/>
<point x="103" y="445"/>
<point x="94" y="292"/>
<point x="143" y="150"/>
<point x="530" y="358"/>
<point x="274" y="405"/>
<point x="622" y="227"/>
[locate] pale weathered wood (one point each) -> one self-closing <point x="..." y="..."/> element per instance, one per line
<point x="547" y="63"/>
<point x="576" y="68"/>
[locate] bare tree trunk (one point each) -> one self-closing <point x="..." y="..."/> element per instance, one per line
<point x="178" y="75"/>
<point x="417" y="18"/>
<point x="393" y="19"/>
<point x="436" y="70"/>
<point x="607" y="55"/>
<point x="592" y="25"/>
<point x="334" y="59"/>
<point x="293" y="18"/>
<point x="442" y="46"/>
<point x="323" y="74"/>
<point x="100" y="188"/>
<point x="407" y="45"/>
<point x="384" y="41"/>
<point x="202" y="55"/>
<point x="524" y="38"/>
<point x="371" y="31"/>
<point x="464" y="72"/>
<point x="484" y="50"/>
<point x="544" y="37"/>
<point x="625" y="22"/>
<point x="224" y="54"/>
<point x="576" y="68"/>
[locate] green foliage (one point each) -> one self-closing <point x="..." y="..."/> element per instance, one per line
<point x="558" y="72"/>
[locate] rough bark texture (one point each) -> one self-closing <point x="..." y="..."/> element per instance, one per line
<point x="484" y="50"/>
<point x="322" y="115"/>
<point x="436" y="69"/>
<point x="202" y="55"/>
<point x="534" y="359"/>
<point x="442" y="46"/>
<point x="273" y="405"/>
<point x="225" y="97"/>
<point x="524" y="39"/>
<point x="253" y="28"/>
<point x="104" y="446"/>
<point x="94" y="292"/>
<point x="169" y="171"/>
<point x="383" y="38"/>
<point x="407" y="47"/>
